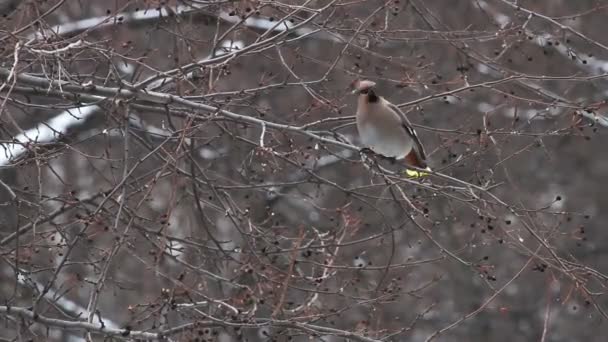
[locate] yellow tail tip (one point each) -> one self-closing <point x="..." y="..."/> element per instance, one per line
<point x="416" y="174"/>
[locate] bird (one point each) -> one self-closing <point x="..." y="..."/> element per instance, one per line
<point x="385" y="130"/>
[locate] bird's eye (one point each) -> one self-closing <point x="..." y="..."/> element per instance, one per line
<point x="364" y="91"/>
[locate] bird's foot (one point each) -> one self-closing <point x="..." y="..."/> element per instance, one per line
<point x="368" y="157"/>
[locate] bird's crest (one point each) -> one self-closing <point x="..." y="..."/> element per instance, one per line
<point x="362" y="86"/>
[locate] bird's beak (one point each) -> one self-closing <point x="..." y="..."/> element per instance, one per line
<point x="355" y="91"/>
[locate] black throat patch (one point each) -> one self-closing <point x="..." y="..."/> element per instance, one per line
<point x="372" y="97"/>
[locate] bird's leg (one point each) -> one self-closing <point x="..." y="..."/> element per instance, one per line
<point x="366" y="151"/>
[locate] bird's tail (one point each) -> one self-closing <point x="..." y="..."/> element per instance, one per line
<point x="413" y="159"/>
<point x="416" y="174"/>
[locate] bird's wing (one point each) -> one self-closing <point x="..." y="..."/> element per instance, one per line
<point x="406" y="124"/>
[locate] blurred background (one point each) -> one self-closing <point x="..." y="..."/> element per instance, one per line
<point x="189" y="171"/>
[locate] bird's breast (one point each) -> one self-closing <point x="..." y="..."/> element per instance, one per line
<point x="387" y="140"/>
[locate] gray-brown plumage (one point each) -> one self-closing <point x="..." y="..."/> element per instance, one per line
<point x="384" y="129"/>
